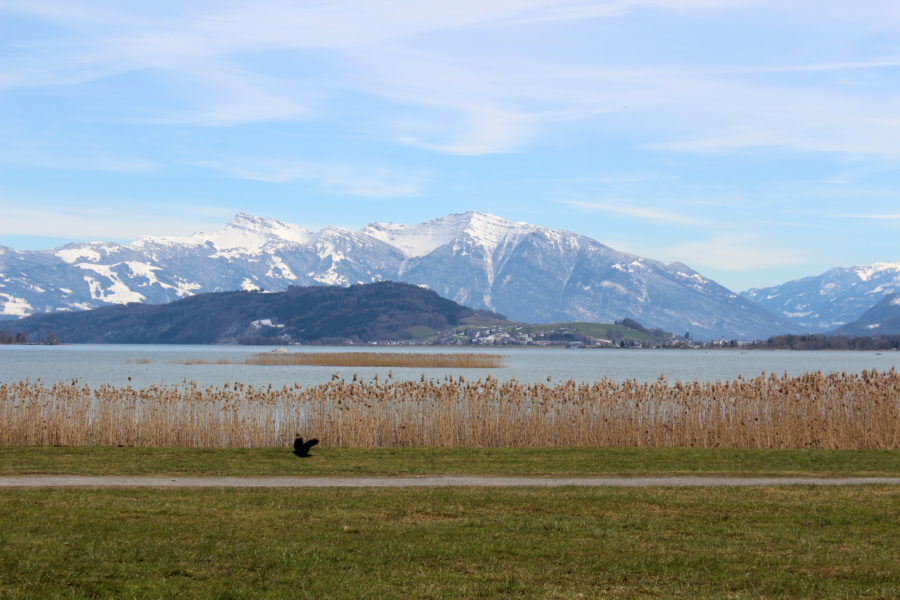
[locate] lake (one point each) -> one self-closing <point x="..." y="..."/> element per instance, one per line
<point x="147" y="365"/>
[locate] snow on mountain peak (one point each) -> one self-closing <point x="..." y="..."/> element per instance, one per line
<point x="247" y="233"/>
<point x="244" y="232"/>
<point x="865" y="272"/>
<point x="72" y="252"/>
<point x="419" y="240"/>
<point x="490" y="229"/>
<point x="251" y="232"/>
<point x="90" y="251"/>
<point x="486" y="230"/>
<point x="532" y="273"/>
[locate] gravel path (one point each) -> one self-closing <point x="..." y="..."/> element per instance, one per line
<point x="423" y="481"/>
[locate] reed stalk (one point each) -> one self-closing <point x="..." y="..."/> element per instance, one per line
<point x="815" y="410"/>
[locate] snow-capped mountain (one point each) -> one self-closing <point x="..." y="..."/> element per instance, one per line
<point x="881" y="319"/>
<point x="526" y="272"/>
<point x="829" y="300"/>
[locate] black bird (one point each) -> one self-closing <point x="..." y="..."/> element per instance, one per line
<point x="301" y="448"/>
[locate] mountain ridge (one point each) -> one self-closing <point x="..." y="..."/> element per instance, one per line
<point x="882" y="319"/>
<point x="321" y="314"/>
<point x="820" y="303"/>
<point x="530" y="273"/>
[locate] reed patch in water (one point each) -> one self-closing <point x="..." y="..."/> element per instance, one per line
<point x="815" y="410"/>
<point x="465" y="360"/>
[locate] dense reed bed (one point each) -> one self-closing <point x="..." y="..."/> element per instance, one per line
<point x="467" y="360"/>
<point x="811" y="411"/>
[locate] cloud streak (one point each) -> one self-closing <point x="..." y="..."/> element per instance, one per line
<point x="63" y="220"/>
<point x="869" y="217"/>
<point x="641" y="213"/>
<point x="735" y="253"/>
<point x="88" y="161"/>
<point x="216" y="60"/>
<point x="334" y="178"/>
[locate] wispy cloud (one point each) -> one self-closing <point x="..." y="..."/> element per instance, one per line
<point x="869" y="217"/>
<point x="354" y="180"/>
<point x="224" y="96"/>
<point x="577" y="11"/>
<point x="849" y="65"/>
<point x="474" y="132"/>
<point x="638" y="212"/>
<point x="109" y="219"/>
<point x="735" y="253"/>
<point x="216" y="57"/>
<point x="89" y="161"/>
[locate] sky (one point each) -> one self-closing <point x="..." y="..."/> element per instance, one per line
<point x="755" y="141"/>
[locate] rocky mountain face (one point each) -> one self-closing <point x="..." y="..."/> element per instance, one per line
<point x="526" y="272"/>
<point x="834" y="298"/>
<point x="881" y="319"/>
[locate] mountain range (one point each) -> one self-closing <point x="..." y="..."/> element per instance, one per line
<point x="881" y="319"/>
<point x="528" y="273"/>
<point x="832" y="299"/>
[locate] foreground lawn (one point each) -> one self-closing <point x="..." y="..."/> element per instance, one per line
<point x="759" y="542"/>
<point x="94" y="460"/>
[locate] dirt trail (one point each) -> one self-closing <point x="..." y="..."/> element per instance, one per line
<point x="10" y="481"/>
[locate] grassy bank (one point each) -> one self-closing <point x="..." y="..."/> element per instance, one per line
<point x="102" y="460"/>
<point x="440" y="543"/>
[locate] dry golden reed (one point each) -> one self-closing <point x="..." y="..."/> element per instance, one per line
<point x="465" y="360"/>
<point x="815" y="410"/>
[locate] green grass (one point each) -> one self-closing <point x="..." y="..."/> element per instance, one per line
<point x="97" y="460"/>
<point x="599" y="330"/>
<point x="420" y="331"/>
<point x="760" y="542"/>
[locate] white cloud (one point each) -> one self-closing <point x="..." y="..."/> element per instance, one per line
<point x="639" y="212"/>
<point x="568" y="11"/>
<point x="86" y="160"/>
<point x="477" y="131"/>
<point x="469" y="96"/>
<point x="735" y="253"/>
<point x="32" y="217"/>
<point x="353" y="180"/>
<point x="869" y="217"/>
<point x="223" y="95"/>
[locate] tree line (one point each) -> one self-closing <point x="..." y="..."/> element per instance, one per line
<point x="821" y="341"/>
<point x="20" y="337"/>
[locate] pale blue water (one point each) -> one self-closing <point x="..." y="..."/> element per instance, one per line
<point x="114" y="364"/>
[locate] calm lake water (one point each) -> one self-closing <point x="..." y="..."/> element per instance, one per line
<point x="156" y="364"/>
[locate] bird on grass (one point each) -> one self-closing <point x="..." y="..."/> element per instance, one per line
<point x="301" y="448"/>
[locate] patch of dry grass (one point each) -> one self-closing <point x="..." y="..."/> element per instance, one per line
<point x="467" y="360"/>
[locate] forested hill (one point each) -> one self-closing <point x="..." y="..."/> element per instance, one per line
<point x="319" y="314"/>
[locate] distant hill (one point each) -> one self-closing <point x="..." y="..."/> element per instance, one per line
<point x="319" y="314"/>
<point x="881" y="319"/>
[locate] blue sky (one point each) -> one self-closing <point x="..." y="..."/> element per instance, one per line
<point x="755" y="141"/>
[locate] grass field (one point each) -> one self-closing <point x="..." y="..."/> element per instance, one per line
<point x="102" y="460"/>
<point x="598" y="330"/>
<point x="757" y="542"/>
<point x="761" y="542"/>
